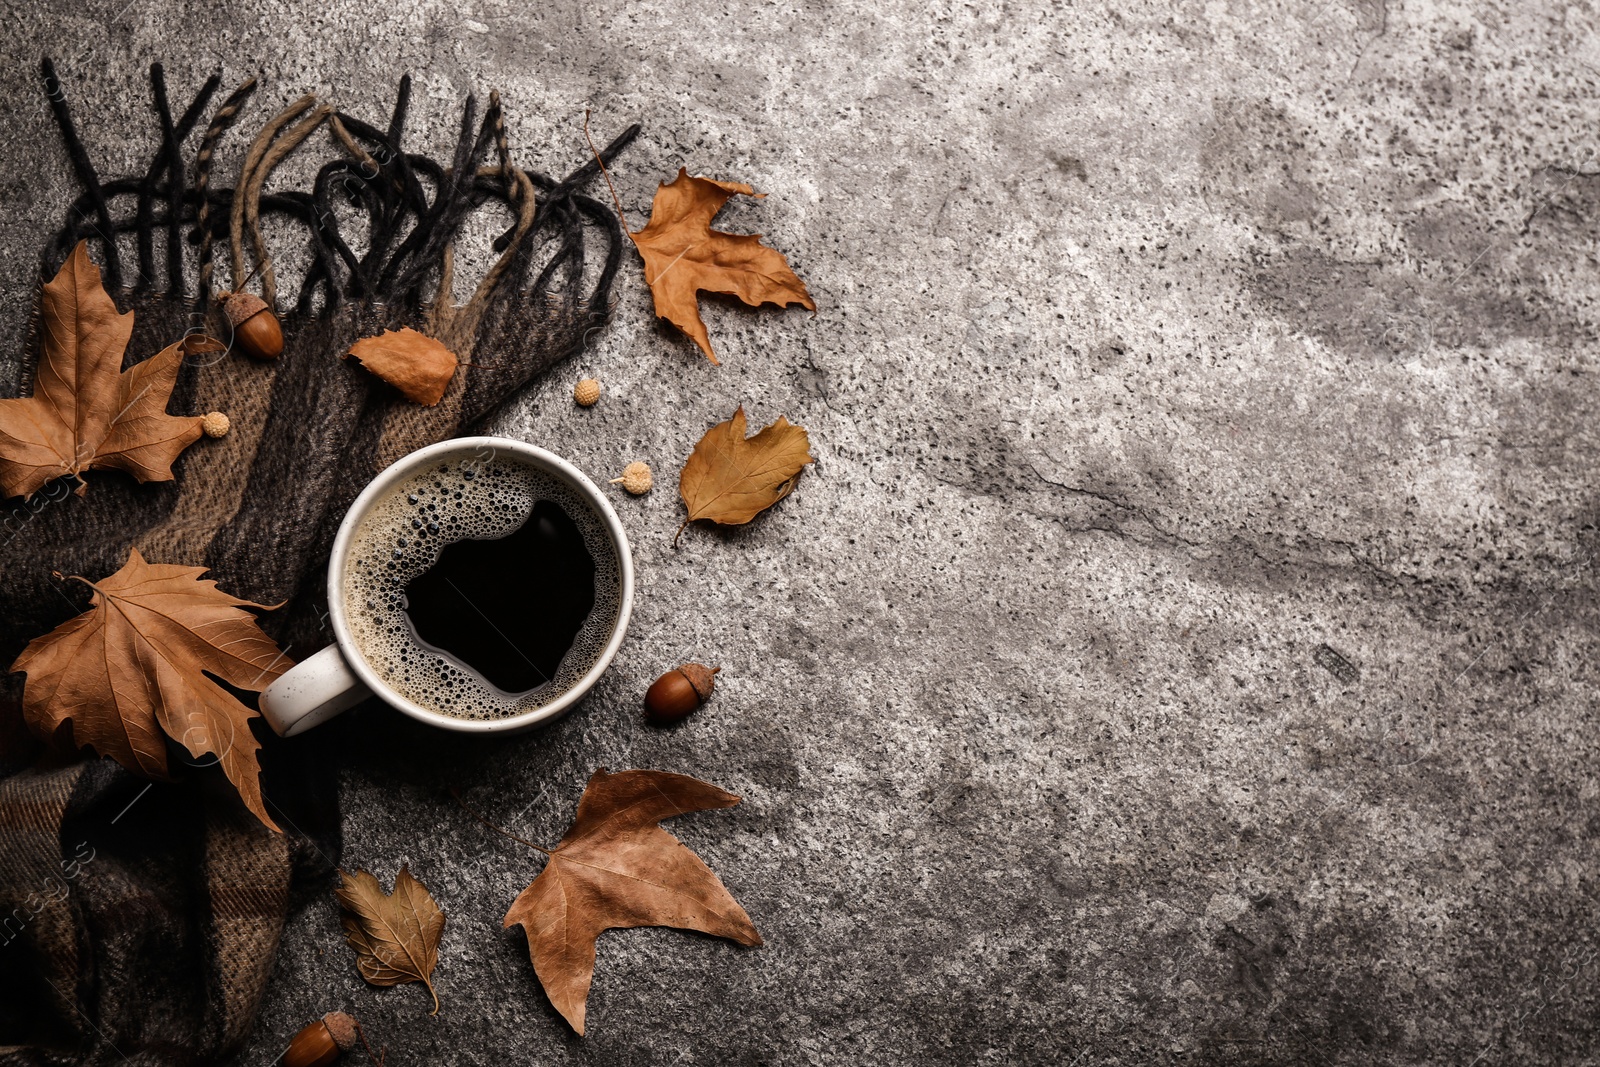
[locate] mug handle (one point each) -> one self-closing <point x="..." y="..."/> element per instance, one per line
<point x="312" y="692"/>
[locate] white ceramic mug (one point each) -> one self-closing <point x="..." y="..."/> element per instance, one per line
<point x="339" y="677"/>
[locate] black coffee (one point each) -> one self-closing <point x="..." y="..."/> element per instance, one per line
<point x="481" y="588"/>
<point x="508" y="607"/>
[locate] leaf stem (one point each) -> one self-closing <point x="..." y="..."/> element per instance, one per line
<point x="606" y="174"/>
<point x="362" y="1034"/>
<point x="455" y="794"/>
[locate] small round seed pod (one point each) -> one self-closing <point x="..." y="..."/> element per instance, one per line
<point x="255" y="327"/>
<point x="586" y="392"/>
<point x="215" y="424"/>
<point x="322" y="1042"/>
<point x="635" y="478"/>
<point x="679" y="692"/>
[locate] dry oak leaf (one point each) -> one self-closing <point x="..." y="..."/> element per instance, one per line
<point x="86" y="411"/>
<point x="616" y="868"/>
<point x="136" y="666"/>
<point x="684" y="256"/>
<point x="412" y="362"/>
<point x="730" y="478"/>
<point x="395" y="935"/>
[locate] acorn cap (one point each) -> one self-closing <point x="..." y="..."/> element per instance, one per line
<point x="701" y="678"/>
<point x="241" y="306"/>
<point x="343" y="1029"/>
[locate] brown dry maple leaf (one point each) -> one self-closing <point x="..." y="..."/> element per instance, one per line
<point x="395" y="935"/>
<point x="684" y="256"/>
<point x="616" y="868"/>
<point x="412" y="362"/>
<point x="86" y="411"/>
<point x="135" y="666"/>
<point x="730" y="478"/>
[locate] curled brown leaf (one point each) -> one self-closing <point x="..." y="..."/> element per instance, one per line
<point x="616" y="868"/>
<point x="138" y="664"/>
<point x="683" y="257"/>
<point x="86" y="412"/>
<point x="395" y="935"/>
<point x="730" y="478"/>
<point x="412" y="362"/>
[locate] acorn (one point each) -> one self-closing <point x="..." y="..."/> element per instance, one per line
<point x="255" y="327"/>
<point x="322" y="1042"/>
<point x="678" y="692"/>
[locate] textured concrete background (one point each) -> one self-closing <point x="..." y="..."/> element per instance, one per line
<point x="1184" y="648"/>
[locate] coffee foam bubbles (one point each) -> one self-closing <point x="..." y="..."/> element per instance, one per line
<point x="402" y="534"/>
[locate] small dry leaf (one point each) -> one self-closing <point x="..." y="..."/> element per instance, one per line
<point x="730" y="479"/>
<point x="136" y="666"/>
<point x="684" y="256"/>
<point x="616" y="868"/>
<point x="395" y="936"/>
<point x="86" y="412"/>
<point x="414" y="363"/>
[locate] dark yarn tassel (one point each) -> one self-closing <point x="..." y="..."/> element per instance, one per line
<point x="317" y="277"/>
<point x="456" y="201"/>
<point x="465" y="195"/>
<point x="177" y="194"/>
<point x="322" y="273"/>
<point x="422" y="250"/>
<point x="191" y="114"/>
<point x="174" y="160"/>
<point x="82" y="207"/>
<point x="499" y="370"/>
<point x="145" y="212"/>
<point x="326" y="231"/>
<point x="556" y="213"/>
<point x="498" y="189"/>
<point x="565" y="217"/>
<point x="361" y="189"/>
<point x="414" y="194"/>
<point x="608" y="223"/>
<point x="86" y="176"/>
<point x="168" y="158"/>
<point x="349" y="179"/>
<point x="591" y="170"/>
<point x="392" y="280"/>
<point x="393" y="197"/>
<point x="397" y="189"/>
<point x="571" y="238"/>
<point x="378" y="184"/>
<point x="98" y="197"/>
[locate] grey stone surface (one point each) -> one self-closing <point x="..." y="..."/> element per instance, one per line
<point x="1184" y="648"/>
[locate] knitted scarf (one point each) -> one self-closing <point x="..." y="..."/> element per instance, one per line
<point x="137" y="920"/>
